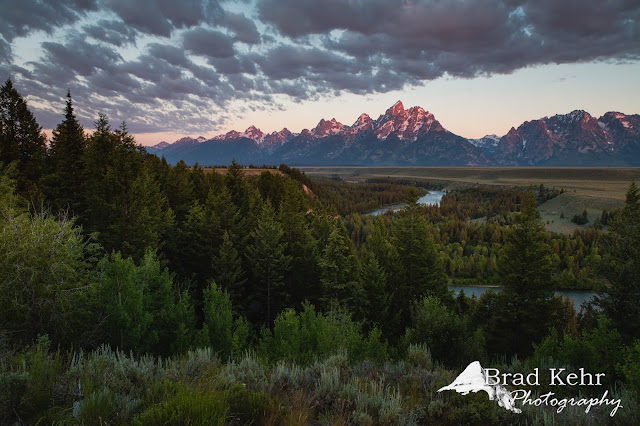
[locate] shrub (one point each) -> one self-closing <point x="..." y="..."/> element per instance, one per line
<point x="188" y="407"/>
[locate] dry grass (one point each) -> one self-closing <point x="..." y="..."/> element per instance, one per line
<point x="247" y="171"/>
<point x="603" y="182"/>
<point x="572" y="203"/>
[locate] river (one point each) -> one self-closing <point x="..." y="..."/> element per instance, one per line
<point x="432" y="197"/>
<point x="577" y="296"/>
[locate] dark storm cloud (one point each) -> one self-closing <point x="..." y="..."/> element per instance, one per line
<point x="80" y="56"/>
<point x="244" y="28"/>
<point x="159" y="17"/>
<point x="423" y="40"/>
<point x="116" y="33"/>
<point x="21" y="17"/>
<point x="234" y="65"/>
<point x="195" y="57"/>
<point x="150" y="68"/>
<point x="6" y="55"/>
<point x="292" y="61"/>
<point x="210" y="43"/>
<point x="171" y="54"/>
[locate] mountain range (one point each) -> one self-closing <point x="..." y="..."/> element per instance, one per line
<point x="413" y="137"/>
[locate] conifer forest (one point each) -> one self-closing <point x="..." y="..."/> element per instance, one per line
<point x="136" y="291"/>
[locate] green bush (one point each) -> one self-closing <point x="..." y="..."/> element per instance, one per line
<point x="305" y="336"/>
<point x="188" y="407"/>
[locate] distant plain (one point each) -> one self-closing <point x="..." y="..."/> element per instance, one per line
<point x="586" y="188"/>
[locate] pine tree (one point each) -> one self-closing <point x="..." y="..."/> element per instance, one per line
<point x="99" y="160"/>
<point x="21" y="140"/>
<point x="300" y="246"/>
<point x="373" y="283"/>
<point x="524" y="306"/>
<point x="524" y="265"/>
<point x="237" y="185"/>
<point x="621" y="266"/>
<point x="339" y="270"/>
<point x="146" y="223"/>
<point x="180" y="190"/>
<point x="268" y="262"/>
<point x="421" y="271"/>
<point x="67" y="158"/>
<point x="227" y="267"/>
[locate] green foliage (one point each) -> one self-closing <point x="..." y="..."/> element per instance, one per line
<point x="523" y="309"/>
<point x="339" y="271"/>
<point x="21" y="140"/>
<point x="421" y="272"/>
<point x="580" y="219"/>
<point x="43" y="286"/>
<point x="188" y="407"/>
<point x="139" y="307"/>
<point x="67" y="159"/>
<point x="304" y="336"/>
<point x="228" y="272"/>
<point x="103" y="406"/>
<point x="631" y="366"/>
<point x="269" y="262"/>
<point x="597" y="350"/>
<point x="621" y="266"/>
<point x="226" y="335"/>
<point x="451" y="338"/>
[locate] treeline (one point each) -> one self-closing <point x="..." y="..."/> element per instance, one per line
<point x="106" y="250"/>
<point x="468" y="229"/>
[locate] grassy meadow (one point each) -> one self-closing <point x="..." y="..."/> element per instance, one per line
<point x="593" y="189"/>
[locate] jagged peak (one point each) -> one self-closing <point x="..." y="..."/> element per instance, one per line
<point x="396" y="109"/>
<point x="325" y="127"/>
<point x="577" y="115"/>
<point x="364" y="118"/>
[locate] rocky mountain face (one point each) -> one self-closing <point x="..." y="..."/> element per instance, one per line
<point x="576" y="139"/>
<point x="413" y="137"/>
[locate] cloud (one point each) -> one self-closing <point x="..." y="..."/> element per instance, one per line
<point x="80" y="56"/>
<point x="6" y="55"/>
<point x="160" y="17"/>
<point x="209" y="43"/>
<point x="244" y="28"/>
<point x="157" y="64"/>
<point x="116" y="33"/>
<point x="25" y="16"/>
<point x="424" y="40"/>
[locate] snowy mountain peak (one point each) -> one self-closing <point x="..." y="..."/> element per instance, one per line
<point x="364" y="118"/>
<point x="326" y="128"/>
<point x="578" y="115"/>
<point x="396" y="109"/>
<point x="254" y="134"/>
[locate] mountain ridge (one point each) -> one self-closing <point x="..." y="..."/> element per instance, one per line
<point x="414" y="137"/>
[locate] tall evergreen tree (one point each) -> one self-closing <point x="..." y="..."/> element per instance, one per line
<point x="421" y="270"/>
<point x="524" y="307"/>
<point x="180" y="190"/>
<point x="148" y="219"/>
<point x="620" y="301"/>
<point x="268" y="261"/>
<point x="300" y="246"/>
<point x="67" y="158"/>
<point x="228" y="272"/>
<point x="237" y="185"/>
<point x="21" y="140"/>
<point x="99" y="160"/>
<point x="339" y="270"/>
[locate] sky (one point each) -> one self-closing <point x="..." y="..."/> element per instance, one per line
<point x="204" y="67"/>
